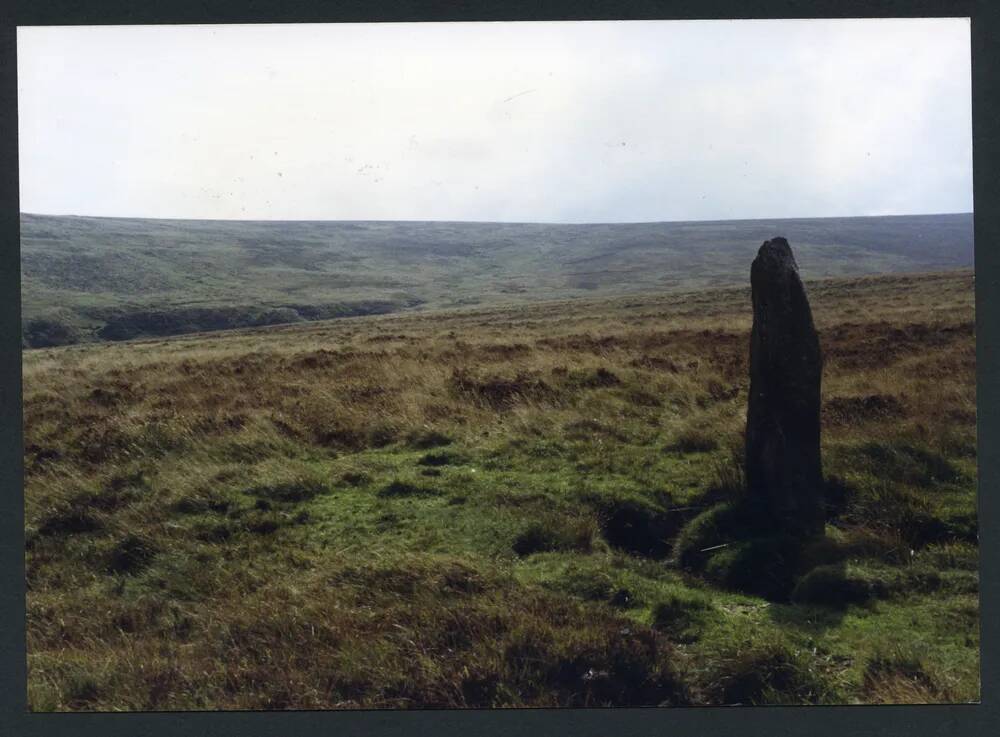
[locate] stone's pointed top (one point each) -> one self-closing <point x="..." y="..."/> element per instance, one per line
<point x="776" y="253"/>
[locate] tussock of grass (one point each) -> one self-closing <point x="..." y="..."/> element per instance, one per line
<point x="951" y="555"/>
<point x="763" y="566"/>
<point x="682" y="616"/>
<point x="899" y="677"/>
<point x="399" y="488"/>
<point x="833" y="586"/>
<point x="635" y="524"/>
<point x="906" y="463"/>
<point x="498" y="392"/>
<point x="768" y="672"/>
<point x="695" y="440"/>
<point x="437" y="459"/>
<point x="555" y="533"/>
<point x="69" y="521"/>
<point x="292" y="491"/>
<point x="423" y="439"/>
<point x="205" y="499"/>
<point x="898" y="511"/>
<point x="131" y="554"/>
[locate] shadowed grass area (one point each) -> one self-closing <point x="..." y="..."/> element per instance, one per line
<point x="523" y="506"/>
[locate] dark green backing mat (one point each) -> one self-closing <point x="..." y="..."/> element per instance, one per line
<point x="770" y="721"/>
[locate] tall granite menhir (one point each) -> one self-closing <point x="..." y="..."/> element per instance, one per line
<point x="783" y="469"/>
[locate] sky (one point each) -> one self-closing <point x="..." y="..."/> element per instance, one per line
<point x="621" y="121"/>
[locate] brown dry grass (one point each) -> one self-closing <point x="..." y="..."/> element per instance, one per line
<point x="153" y="584"/>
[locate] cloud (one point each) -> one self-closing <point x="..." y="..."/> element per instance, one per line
<point x="576" y="122"/>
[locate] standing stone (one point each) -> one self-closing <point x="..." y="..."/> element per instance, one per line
<point x="783" y="466"/>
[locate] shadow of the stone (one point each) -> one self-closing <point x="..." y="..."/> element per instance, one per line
<point x="821" y="599"/>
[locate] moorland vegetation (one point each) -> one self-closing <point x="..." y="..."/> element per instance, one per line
<point x="499" y="506"/>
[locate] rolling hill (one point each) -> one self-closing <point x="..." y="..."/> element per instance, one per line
<point x="91" y="278"/>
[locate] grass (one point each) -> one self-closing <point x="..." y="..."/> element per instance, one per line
<point x="87" y="278"/>
<point x="498" y="507"/>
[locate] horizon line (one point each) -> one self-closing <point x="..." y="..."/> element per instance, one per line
<point x="489" y="222"/>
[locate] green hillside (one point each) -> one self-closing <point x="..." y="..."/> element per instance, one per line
<point x="88" y="278"/>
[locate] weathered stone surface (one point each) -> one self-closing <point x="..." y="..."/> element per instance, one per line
<point x="783" y="465"/>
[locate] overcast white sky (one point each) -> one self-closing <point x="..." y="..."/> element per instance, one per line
<point x="548" y="122"/>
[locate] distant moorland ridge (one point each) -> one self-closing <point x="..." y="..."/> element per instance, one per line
<point x="93" y="278"/>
